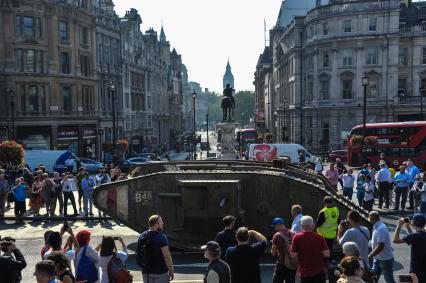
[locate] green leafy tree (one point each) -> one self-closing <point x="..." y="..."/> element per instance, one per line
<point x="244" y="107"/>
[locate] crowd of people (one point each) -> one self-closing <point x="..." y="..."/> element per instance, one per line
<point x="54" y="191"/>
<point x="332" y="247"/>
<point x="380" y="182"/>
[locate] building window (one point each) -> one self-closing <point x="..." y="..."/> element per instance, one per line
<point x="29" y="60"/>
<point x="371" y="56"/>
<point x="347" y="89"/>
<point x="85" y="65"/>
<point x="424" y="56"/>
<point x="310" y="91"/>
<point x="347" y="57"/>
<point x="403" y="56"/>
<point x="325" y="59"/>
<point x="66" y="99"/>
<point x="87" y="98"/>
<point x="20" y="60"/>
<point x="84" y="36"/>
<point x="63" y="30"/>
<point x="372" y="24"/>
<point x="347" y="26"/>
<point x="65" y="63"/>
<point x="27" y="26"/>
<point x="149" y="102"/>
<point x="23" y="96"/>
<point x="32" y="98"/>
<point x="325" y="28"/>
<point x="402" y="87"/>
<point x="325" y="89"/>
<point x="423" y="87"/>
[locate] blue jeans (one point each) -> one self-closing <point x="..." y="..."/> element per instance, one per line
<point x="385" y="267"/>
<point x="87" y="201"/>
<point x="348" y="192"/>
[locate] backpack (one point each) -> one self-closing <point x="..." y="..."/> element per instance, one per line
<point x="117" y="271"/>
<point x="86" y="269"/>
<point x="288" y="262"/>
<point x="143" y="253"/>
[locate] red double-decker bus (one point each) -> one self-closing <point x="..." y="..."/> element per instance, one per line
<point x="245" y="137"/>
<point x="398" y="141"/>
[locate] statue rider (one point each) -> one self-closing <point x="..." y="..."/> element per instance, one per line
<point x="228" y="92"/>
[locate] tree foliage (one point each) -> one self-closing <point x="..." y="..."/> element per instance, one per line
<point x="11" y="153"/>
<point x="244" y="107"/>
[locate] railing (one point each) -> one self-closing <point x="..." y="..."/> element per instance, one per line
<point x="351" y="6"/>
<point x="408" y="29"/>
<point x="410" y="99"/>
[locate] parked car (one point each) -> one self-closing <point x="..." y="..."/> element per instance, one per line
<point x="145" y="155"/>
<point x="342" y="154"/>
<point x="92" y="166"/>
<point x="135" y="161"/>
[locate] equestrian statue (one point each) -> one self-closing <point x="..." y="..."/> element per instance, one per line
<point x="228" y="103"/>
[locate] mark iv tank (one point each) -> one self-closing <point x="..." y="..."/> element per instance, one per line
<point x="194" y="196"/>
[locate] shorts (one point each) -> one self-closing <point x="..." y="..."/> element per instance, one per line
<point x="20" y="207"/>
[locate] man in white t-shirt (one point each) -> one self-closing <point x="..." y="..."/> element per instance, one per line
<point x="348" y="184"/>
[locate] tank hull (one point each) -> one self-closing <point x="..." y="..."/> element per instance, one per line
<point x="193" y="198"/>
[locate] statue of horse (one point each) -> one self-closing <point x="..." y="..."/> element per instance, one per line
<point x="228" y="106"/>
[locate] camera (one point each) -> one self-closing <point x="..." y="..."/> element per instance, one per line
<point x="344" y="224"/>
<point x="407" y="220"/>
<point x="116" y="238"/>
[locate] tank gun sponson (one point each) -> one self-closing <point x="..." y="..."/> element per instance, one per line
<point x="194" y="196"/>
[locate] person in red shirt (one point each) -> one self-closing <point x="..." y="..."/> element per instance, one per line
<point x="310" y="249"/>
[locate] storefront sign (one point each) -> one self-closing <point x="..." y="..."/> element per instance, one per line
<point x="68" y="133"/>
<point x="89" y="133"/>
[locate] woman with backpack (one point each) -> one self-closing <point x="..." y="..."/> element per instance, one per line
<point x="107" y="251"/>
<point x="62" y="267"/>
<point x="86" y="259"/>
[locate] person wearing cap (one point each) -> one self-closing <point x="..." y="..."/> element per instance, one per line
<point x="417" y="241"/>
<point x="245" y="257"/>
<point x="218" y="271"/>
<point x="285" y="266"/>
<point x="382" y="251"/>
<point x="327" y="221"/>
<point x="310" y="250"/>
<point x="402" y="181"/>
<point x="384" y="180"/>
<point x="226" y="237"/>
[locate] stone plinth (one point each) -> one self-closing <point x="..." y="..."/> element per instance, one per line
<point x="227" y="130"/>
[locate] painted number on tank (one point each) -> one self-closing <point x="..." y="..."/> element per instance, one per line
<point x="143" y="197"/>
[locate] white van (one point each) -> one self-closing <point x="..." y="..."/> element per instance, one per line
<point x="53" y="160"/>
<point x="269" y="152"/>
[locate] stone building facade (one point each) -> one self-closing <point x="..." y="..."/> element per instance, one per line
<point x="109" y="65"/>
<point x="61" y="59"/>
<point x="48" y="59"/>
<point x="319" y="60"/>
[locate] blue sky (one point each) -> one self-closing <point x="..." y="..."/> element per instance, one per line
<point x="198" y="29"/>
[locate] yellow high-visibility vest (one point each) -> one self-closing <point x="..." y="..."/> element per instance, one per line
<point x="329" y="228"/>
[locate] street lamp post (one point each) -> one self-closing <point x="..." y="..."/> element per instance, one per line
<point x="194" y="96"/>
<point x="11" y="94"/>
<point x="114" y="124"/>
<point x="208" y="143"/>
<point x="364" y="116"/>
<point x="284" y="120"/>
<point x="276" y="126"/>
